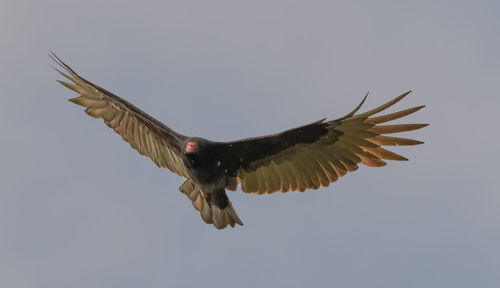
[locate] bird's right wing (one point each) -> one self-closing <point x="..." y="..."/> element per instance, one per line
<point x="145" y="134"/>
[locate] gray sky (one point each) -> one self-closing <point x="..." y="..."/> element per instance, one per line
<point x="80" y="208"/>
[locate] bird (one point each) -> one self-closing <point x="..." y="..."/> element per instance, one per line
<point x="306" y="157"/>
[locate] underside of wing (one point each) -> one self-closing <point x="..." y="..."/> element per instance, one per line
<point x="147" y="135"/>
<point x="332" y="149"/>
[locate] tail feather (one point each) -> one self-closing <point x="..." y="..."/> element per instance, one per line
<point x="225" y="216"/>
<point x="215" y="208"/>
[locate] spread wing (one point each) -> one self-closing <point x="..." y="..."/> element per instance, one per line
<point x="317" y="154"/>
<point x="145" y="134"/>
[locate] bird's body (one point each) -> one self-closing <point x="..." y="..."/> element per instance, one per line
<point x="205" y="164"/>
<point x="207" y="182"/>
<point x="306" y="157"/>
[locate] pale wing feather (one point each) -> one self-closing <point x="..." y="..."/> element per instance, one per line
<point x="313" y="165"/>
<point x="144" y="133"/>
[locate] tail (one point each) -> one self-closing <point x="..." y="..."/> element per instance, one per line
<point x="215" y="208"/>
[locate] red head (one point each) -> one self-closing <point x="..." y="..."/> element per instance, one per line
<point x="191" y="147"/>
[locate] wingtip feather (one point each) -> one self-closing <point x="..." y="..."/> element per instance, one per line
<point x="386" y="129"/>
<point x="61" y="63"/>
<point x="393" y="116"/>
<point x="385" y="106"/>
<point x="69" y="86"/>
<point x="393" y="141"/>
<point x="350" y="114"/>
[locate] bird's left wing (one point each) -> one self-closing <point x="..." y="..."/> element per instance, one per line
<point x="317" y="154"/>
<point x="145" y="134"/>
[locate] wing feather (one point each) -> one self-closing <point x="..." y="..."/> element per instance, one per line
<point x="317" y="154"/>
<point x="147" y="135"/>
<point x="292" y="176"/>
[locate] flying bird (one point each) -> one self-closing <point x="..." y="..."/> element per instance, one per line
<point x="306" y="157"/>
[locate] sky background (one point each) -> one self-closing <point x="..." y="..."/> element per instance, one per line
<point x="80" y="208"/>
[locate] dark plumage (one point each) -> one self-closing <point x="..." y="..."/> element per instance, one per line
<point x="305" y="157"/>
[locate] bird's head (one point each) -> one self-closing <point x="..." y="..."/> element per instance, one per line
<point x="191" y="147"/>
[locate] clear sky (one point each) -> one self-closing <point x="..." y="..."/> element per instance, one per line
<point x="80" y="208"/>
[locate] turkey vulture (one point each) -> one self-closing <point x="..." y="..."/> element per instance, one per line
<point x="306" y="157"/>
